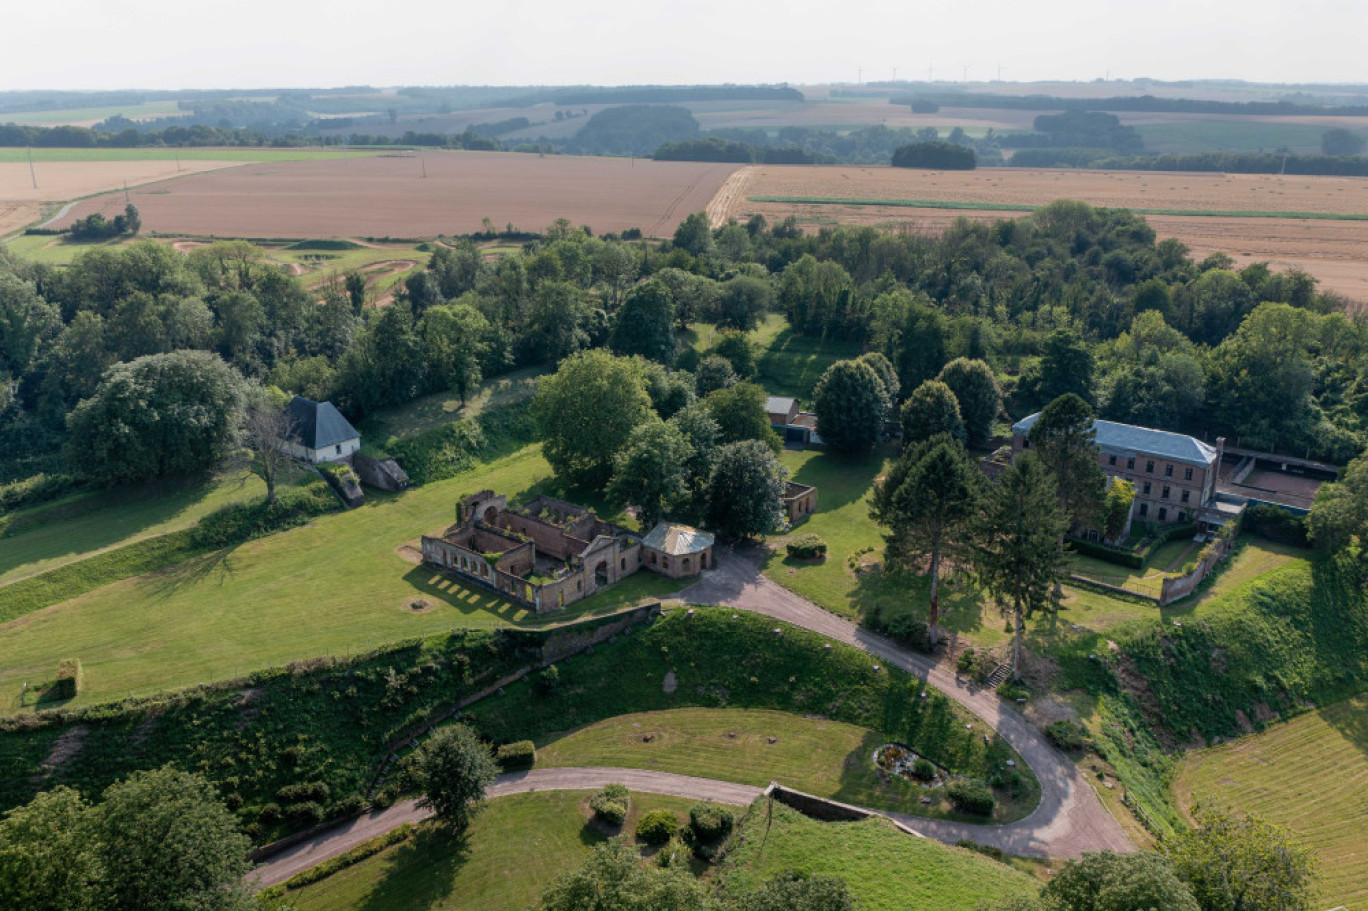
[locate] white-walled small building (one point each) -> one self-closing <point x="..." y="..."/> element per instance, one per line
<point x="318" y="432"/>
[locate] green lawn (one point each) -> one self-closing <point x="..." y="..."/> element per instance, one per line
<point x="886" y="869"/>
<point x="787" y="363"/>
<point x="238" y="153"/>
<point x="696" y="673"/>
<point x="339" y="585"/>
<point x="1310" y="775"/>
<point x="748" y="746"/>
<point x="51" y="249"/>
<point x="430" y="411"/>
<point x="1149" y="579"/>
<point x="844" y="485"/>
<point x="44" y="537"/>
<point x="512" y="851"/>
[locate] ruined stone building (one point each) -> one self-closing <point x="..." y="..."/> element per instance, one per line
<point x="550" y="553"/>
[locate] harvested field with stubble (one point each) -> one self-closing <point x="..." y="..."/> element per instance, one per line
<point x="58" y="181"/>
<point x="388" y="196"/>
<point x="1334" y="251"/>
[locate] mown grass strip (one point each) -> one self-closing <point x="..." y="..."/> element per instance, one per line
<point x="340" y="862"/>
<point x="1006" y="207"/>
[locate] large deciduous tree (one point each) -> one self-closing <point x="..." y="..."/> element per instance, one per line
<point x="745" y="491"/>
<point x="740" y="415"/>
<point x="586" y="411"/>
<point x="265" y="426"/>
<point x="1018" y="554"/>
<point x="742" y="301"/>
<point x="851" y="405"/>
<point x="158" y="415"/>
<point x="1066" y="441"/>
<point x="614" y="879"/>
<point x="979" y="398"/>
<point x="1241" y="863"/>
<point x="791" y="891"/>
<point x="48" y="856"/>
<point x="167" y="841"/>
<point x="1339" y="514"/>
<point x="652" y="470"/>
<point x="644" y="324"/>
<point x="453" y="339"/>
<point x="928" y="502"/>
<point x="1106" y="881"/>
<point x="931" y="409"/>
<point x="454" y="769"/>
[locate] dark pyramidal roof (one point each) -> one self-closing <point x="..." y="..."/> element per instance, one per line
<point x="317" y="425"/>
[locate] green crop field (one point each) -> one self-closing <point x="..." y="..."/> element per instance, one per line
<point x="338" y="585"/>
<point x="234" y="153"/>
<point x="61" y="116"/>
<point x="1309" y="774"/>
<point x="886" y="869"/>
<point x="1220" y="135"/>
<point x="512" y="851"/>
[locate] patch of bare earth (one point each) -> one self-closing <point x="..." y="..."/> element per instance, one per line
<point x="65" y="748"/>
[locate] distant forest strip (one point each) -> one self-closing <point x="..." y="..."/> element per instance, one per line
<point x="1008" y="207"/>
<point x="1135" y="103"/>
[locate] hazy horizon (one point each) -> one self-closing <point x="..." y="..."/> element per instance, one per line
<point x="157" y="45"/>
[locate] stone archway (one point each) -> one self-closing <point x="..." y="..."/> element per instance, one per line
<point x="490" y="515"/>
<point x="601" y="574"/>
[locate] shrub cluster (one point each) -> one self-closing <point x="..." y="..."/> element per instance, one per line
<point x="340" y="862"/>
<point x="901" y="628"/>
<point x="303" y="792"/>
<point x="521" y="754"/>
<point x="68" y="679"/>
<point x="1067" y="735"/>
<point x="241" y="522"/>
<point x="976" y="664"/>
<point x="657" y="827"/>
<point x="971" y="796"/>
<point x="923" y="770"/>
<point x="709" y="822"/>
<point x="807" y="547"/>
<point x="33" y="490"/>
<point x="611" y="804"/>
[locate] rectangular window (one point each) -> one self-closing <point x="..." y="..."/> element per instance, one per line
<point x="1147" y="488"/>
<point x="1144" y="509"/>
<point x="1025" y="444"/>
<point x="1165" y="494"/>
<point x="1111" y="460"/>
<point x="1187" y="474"/>
<point x="1130" y="464"/>
<point x="1149" y="467"/>
<point x="339" y="448"/>
<point x="1163" y="513"/>
<point x="1168" y="471"/>
<point x="1186" y="495"/>
<point x="1182" y="516"/>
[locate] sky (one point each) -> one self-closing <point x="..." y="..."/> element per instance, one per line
<point x="154" y="44"/>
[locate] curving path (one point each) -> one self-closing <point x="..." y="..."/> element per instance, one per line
<point x="1070" y="818"/>
<point x="348" y="835"/>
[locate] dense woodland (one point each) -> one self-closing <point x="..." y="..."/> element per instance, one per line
<point x="1069" y="299"/>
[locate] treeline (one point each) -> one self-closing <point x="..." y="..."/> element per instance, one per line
<point x="1068" y="299"/>
<point x="714" y="148"/>
<point x="633" y="129"/>
<point x="1228" y="162"/>
<point x="1138" y="103"/>
<point x="870" y="145"/>
<point x="1077" y="129"/>
<point x="68" y="137"/>
<point x="673" y="94"/>
<point x="938" y="155"/>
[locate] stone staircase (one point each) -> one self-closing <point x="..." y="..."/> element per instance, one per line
<point x="999" y="676"/>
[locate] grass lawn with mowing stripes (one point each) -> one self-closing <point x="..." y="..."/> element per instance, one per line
<point x="1309" y="774"/>
<point x="512" y="851"/>
<point x="339" y="585"/>
<point x="885" y="868"/>
<point x="747" y="746"/>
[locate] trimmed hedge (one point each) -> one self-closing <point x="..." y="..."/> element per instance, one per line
<point x="970" y="796"/>
<point x="69" y="674"/>
<point x="34" y="490"/>
<point x="340" y="862"/>
<point x="709" y="822"/>
<point x="807" y="547"/>
<point x="611" y="804"/>
<point x="521" y="754"/>
<point x="657" y="827"/>
<point x="1126" y="558"/>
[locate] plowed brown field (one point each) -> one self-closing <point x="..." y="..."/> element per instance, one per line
<point x="388" y="196"/>
<point x="1335" y="252"/>
<point x="58" y="181"/>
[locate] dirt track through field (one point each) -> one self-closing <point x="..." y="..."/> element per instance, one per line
<point x="390" y="196"/>
<point x="1335" y="252"/>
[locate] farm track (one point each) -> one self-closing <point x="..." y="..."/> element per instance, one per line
<point x="729" y="196"/>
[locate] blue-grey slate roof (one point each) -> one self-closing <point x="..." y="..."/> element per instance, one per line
<point x="318" y="425"/>
<point x="1127" y="439"/>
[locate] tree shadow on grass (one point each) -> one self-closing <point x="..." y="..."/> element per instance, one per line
<point x="887" y="594"/>
<point x="841" y="479"/>
<point x="420" y="873"/>
<point x="166" y="582"/>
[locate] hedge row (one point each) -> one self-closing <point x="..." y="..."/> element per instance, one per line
<point x="521" y="754"/>
<point x="340" y="862"/>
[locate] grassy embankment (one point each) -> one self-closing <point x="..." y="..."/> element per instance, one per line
<point x="342" y="584"/>
<point x="886" y="869"/>
<point x="513" y="849"/>
<point x="1310" y="775"/>
<point x="718" y="659"/>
